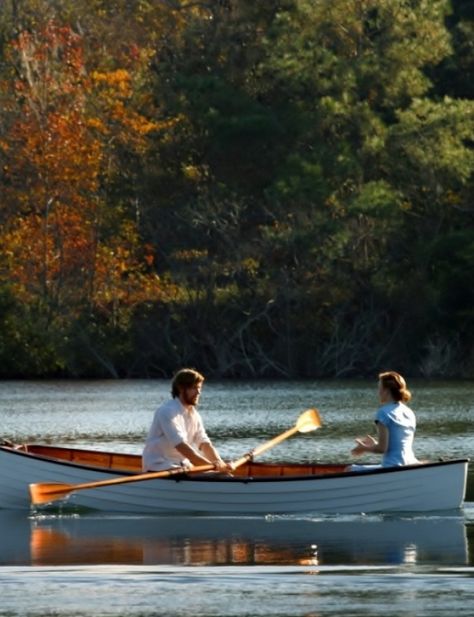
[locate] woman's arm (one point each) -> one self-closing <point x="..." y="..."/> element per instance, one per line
<point x="370" y="444"/>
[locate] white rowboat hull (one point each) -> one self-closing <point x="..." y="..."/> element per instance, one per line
<point x="419" y="488"/>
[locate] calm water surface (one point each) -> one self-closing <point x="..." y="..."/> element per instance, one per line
<point x="69" y="564"/>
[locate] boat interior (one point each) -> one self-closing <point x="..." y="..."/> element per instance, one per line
<point x="131" y="463"/>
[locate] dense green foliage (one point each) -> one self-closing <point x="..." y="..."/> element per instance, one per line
<point x="288" y="183"/>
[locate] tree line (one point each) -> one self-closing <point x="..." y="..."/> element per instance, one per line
<point x="275" y="188"/>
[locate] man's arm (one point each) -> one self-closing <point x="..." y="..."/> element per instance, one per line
<point x="210" y="452"/>
<point x="190" y="453"/>
<point x="211" y="456"/>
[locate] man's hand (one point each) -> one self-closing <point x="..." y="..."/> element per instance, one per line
<point x="223" y="467"/>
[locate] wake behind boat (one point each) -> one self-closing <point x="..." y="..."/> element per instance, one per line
<point x="255" y="488"/>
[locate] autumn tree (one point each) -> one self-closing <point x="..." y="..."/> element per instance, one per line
<point x="66" y="249"/>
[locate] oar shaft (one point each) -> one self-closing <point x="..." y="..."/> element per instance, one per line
<point x="264" y="447"/>
<point x="135" y="478"/>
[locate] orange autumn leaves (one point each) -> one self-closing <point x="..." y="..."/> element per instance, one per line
<point x="62" y="243"/>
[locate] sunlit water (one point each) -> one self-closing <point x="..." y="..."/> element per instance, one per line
<point x="107" y="565"/>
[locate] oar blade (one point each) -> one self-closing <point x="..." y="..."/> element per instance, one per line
<point x="46" y="492"/>
<point x="309" y="421"/>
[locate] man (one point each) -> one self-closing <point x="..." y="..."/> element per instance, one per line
<point x="177" y="436"/>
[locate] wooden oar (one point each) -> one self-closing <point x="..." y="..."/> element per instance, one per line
<point x="308" y="421"/>
<point x="46" y="492"/>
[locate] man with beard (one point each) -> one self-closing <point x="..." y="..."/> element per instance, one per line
<point x="177" y="436"/>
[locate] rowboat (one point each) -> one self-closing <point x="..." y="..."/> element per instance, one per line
<point x="257" y="488"/>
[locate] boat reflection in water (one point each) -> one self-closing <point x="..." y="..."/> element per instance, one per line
<point x="93" y="539"/>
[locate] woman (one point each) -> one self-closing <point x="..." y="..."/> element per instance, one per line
<point x="395" y="422"/>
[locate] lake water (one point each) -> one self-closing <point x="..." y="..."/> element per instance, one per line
<point x="62" y="564"/>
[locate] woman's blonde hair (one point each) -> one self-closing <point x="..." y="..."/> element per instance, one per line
<point x="396" y="385"/>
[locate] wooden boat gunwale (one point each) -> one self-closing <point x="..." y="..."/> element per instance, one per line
<point x="313" y="476"/>
<point x="23" y="450"/>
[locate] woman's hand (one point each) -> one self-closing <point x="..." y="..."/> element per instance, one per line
<point x="364" y="444"/>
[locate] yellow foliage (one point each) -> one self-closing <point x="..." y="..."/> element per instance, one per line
<point x="250" y="265"/>
<point x="96" y="123"/>
<point x="192" y="172"/>
<point x="119" y="80"/>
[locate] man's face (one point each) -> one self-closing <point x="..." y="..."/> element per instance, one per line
<point x="191" y="394"/>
